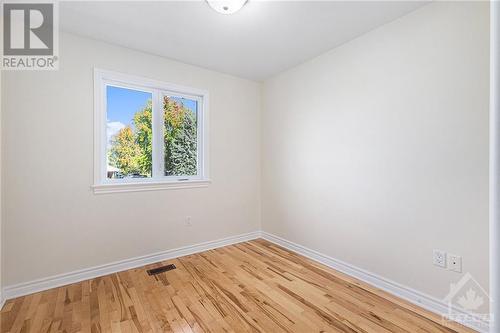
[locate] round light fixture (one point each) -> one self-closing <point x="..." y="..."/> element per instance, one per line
<point x="226" y="6"/>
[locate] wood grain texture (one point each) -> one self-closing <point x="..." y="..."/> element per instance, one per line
<point x="248" y="287"/>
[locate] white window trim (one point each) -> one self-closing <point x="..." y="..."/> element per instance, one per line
<point x="104" y="185"/>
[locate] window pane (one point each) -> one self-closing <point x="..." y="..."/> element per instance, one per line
<point x="180" y="124"/>
<point x="129" y="133"/>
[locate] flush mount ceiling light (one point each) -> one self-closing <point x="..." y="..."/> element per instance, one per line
<point x="226" y="6"/>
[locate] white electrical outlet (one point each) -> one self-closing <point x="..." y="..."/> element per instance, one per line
<point x="439" y="258"/>
<point x="188" y="221"/>
<point x="455" y="263"/>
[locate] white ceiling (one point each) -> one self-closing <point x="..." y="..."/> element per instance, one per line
<point x="262" y="39"/>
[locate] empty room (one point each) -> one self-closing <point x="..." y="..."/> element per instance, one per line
<point x="249" y="166"/>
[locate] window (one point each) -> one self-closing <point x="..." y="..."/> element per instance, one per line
<point x="149" y="135"/>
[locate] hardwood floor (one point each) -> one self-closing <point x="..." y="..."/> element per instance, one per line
<point x="248" y="287"/>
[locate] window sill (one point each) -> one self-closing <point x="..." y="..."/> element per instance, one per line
<point x="148" y="186"/>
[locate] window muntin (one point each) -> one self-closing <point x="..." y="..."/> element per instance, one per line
<point x="161" y="137"/>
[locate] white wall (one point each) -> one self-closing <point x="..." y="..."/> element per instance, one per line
<point x="1" y="196"/>
<point x="376" y="152"/>
<point x="54" y="222"/>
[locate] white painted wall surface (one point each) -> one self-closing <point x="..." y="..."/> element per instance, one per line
<point x="54" y="221"/>
<point x="376" y="152"/>
<point x="494" y="230"/>
<point x="1" y="194"/>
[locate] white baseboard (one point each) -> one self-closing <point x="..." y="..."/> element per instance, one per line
<point x="406" y="293"/>
<point x="26" y="288"/>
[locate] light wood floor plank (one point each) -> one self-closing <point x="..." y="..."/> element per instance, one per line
<point x="254" y="286"/>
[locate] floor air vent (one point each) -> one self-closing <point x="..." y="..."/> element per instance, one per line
<point x="161" y="269"/>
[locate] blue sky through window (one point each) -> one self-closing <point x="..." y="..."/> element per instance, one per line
<point x="123" y="103"/>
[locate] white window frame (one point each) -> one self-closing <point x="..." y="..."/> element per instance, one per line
<point x="158" y="89"/>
